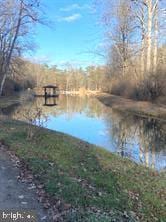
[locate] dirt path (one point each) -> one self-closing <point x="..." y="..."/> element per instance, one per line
<point x="15" y="194"/>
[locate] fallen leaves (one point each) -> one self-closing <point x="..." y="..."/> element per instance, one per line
<point x="133" y="195"/>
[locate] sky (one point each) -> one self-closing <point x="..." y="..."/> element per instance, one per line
<point x="74" y="34"/>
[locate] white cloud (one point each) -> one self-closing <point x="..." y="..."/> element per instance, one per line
<point x="70" y="8"/>
<point x="70" y="18"/>
<point x="75" y="7"/>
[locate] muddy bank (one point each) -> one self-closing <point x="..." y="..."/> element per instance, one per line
<point x="142" y="108"/>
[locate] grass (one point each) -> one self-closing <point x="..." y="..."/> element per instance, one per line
<point x="100" y="186"/>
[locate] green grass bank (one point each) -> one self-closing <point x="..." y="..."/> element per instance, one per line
<point x="100" y="186"/>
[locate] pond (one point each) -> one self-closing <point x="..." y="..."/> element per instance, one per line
<point x="141" y="139"/>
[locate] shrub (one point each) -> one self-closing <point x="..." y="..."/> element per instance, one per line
<point x="150" y="88"/>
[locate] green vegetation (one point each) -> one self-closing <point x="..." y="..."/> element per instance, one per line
<point x="100" y="186"/>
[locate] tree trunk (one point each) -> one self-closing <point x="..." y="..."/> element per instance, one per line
<point x="2" y="84"/>
<point x="155" y="52"/>
<point x="142" y="58"/>
<point x="149" y="35"/>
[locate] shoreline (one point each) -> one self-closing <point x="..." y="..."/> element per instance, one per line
<point x="141" y="108"/>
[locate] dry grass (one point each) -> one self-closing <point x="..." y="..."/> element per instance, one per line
<point x="136" y="107"/>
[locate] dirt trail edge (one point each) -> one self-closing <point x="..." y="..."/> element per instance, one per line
<point x="14" y="194"/>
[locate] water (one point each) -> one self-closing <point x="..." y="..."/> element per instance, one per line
<point x="143" y="140"/>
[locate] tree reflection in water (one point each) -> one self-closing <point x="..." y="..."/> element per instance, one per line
<point x="136" y="137"/>
<point x="50" y="101"/>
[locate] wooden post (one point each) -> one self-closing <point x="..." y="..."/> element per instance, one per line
<point x="54" y="92"/>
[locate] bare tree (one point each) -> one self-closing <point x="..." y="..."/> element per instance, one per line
<point x="147" y="14"/>
<point x="138" y="10"/>
<point x="16" y="19"/>
<point x="155" y="52"/>
<point x="118" y="20"/>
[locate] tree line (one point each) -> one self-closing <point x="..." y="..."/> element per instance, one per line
<point x="69" y="79"/>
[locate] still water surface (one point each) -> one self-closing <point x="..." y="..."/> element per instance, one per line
<point x="143" y="140"/>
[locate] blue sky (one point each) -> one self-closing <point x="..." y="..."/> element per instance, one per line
<point x="74" y="35"/>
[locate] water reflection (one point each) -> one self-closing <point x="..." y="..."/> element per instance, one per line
<point x="50" y="101"/>
<point x="140" y="139"/>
